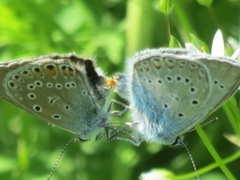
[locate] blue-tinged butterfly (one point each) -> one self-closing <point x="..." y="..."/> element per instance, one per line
<point x="172" y="90"/>
<point x="64" y="90"/>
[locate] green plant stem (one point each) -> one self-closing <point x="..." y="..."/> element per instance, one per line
<point x="210" y="166"/>
<point x="183" y="21"/>
<point x="168" y="28"/>
<point x="233" y="114"/>
<point x="139" y="25"/>
<point x="214" y="154"/>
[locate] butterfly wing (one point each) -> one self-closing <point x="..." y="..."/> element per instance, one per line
<point x="172" y="90"/>
<point x="64" y="90"/>
<point x="224" y="79"/>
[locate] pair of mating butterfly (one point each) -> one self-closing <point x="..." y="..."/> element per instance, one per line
<point x="169" y="92"/>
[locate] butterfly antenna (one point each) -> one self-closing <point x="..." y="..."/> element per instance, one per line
<point x="59" y="158"/>
<point x="190" y="156"/>
<point x="209" y="122"/>
<point x="203" y="125"/>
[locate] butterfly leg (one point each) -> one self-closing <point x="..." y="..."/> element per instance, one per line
<point x="117" y="113"/>
<point x="122" y="133"/>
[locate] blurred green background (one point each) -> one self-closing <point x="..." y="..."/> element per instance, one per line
<point x="109" y="31"/>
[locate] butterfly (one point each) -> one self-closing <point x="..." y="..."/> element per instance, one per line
<point x="171" y="90"/>
<point x="64" y="90"/>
